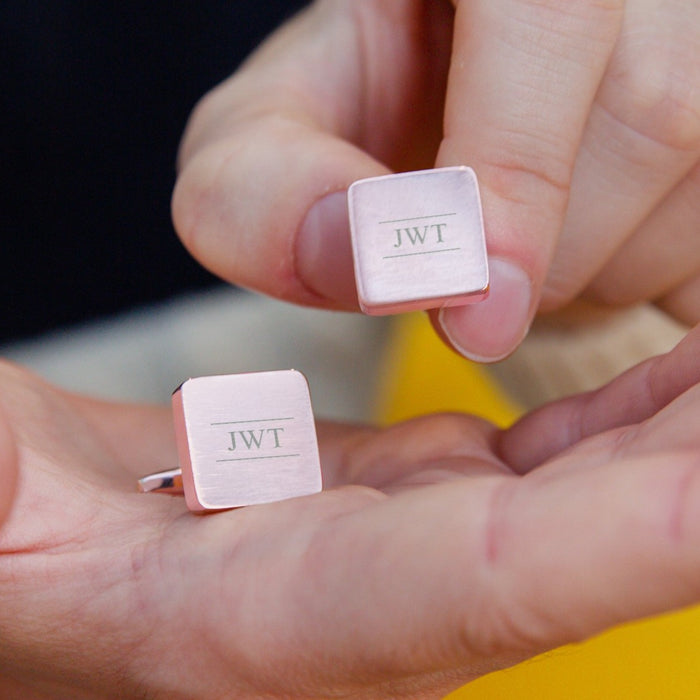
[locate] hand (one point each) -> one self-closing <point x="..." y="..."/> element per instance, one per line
<point x="581" y="119"/>
<point x="443" y="548"/>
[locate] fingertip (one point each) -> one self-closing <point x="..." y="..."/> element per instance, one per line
<point x="493" y="328"/>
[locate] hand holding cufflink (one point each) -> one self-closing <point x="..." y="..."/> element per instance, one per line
<point x="586" y="145"/>
<point x="432" y="531"/>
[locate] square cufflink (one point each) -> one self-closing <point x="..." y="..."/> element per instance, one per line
<point x="418" y="240"/>
<point x="242" y="439"/>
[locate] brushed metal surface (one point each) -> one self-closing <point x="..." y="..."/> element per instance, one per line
<point x="246" y="438"/>
<point x="418" y="240"/>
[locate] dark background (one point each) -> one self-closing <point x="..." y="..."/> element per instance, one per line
<point x="94" y="99"/>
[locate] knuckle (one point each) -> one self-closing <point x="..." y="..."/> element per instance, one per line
<point x="657" y="87"/>
<point x="614" y="293"/>
<point x="506" y="621"/>
<point x="540" y="182"/>
<point x="559" y="288"/>
<point x="679" y="516"/>
<point x="203" y="115"/>
<point x="191" y="202"/>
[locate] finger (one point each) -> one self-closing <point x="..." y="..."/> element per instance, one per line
<point x="8" y="468"/>
<point x="642" y="137"/>
<point x="240" y="213"/>
<point x="630" y="399"/>
<point x="335" y="442"/>
<point x="334" y="97"/>
<point x="446" y="577"/>
<point x="583" y="554"/>
<point x="522" y="79"/>
<point x="663" y="253"/>
<point x="684" y="302"/>
<point x="423" y="450"/>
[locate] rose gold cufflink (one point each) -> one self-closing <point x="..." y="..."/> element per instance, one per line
<point x="418" y="240"/>
<point x="242" y="439"/>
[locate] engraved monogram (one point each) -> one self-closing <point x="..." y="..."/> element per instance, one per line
<point x="420" y="235"/>
<point x="418" y="240"/>
<point x="251" y="441"/>
<point x="415" y="235"/>
<point x="255" y="439"/>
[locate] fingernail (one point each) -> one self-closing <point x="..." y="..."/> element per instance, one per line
<point x="324" y="251"/>
<point x="490" y="330"/>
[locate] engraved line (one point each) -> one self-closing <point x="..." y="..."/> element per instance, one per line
<point x="254" y="420"/>
<point x="248" y="459"/>
<point x="425" y="252"/>
<point x="416" y="218"/>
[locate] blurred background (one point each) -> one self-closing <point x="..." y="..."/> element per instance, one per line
<point x="98" y="293"/>
<point x="94" y="98"/>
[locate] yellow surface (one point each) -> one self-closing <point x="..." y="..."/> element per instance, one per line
<point x="422" y="376"/>
<point x="657" y="659"/>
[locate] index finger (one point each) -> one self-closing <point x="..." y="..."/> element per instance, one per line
<point x="344" y="91"/>
<point x="522" y="78"/>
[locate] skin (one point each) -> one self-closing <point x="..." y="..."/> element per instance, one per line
<point x="440" y="550"/>
<point x="581" y="119"/>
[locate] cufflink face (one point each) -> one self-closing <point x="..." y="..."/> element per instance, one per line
<point x="418" y="240"/>
<point x="244" y="439"/>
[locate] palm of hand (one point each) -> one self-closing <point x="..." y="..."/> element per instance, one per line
<point x="443" y="549"/>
